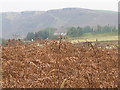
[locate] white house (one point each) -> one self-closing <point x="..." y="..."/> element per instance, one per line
<point x="60" y="32"/>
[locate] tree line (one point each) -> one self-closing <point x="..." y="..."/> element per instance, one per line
<point x="42" y="34"/>
<point x="48" y="33"/>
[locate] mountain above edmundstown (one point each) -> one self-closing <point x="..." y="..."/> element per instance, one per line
<point x="29" y="21"/>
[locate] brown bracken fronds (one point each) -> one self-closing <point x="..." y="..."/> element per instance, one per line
<point x="40" y="65"/>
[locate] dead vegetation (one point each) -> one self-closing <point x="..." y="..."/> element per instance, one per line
<point x="45" y="64"/>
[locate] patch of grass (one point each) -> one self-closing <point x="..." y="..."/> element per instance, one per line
<point x="93" y="37"/>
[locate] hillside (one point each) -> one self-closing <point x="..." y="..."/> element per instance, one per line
<point x="23" y="22"/>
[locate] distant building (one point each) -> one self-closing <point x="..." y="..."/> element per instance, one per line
<point x="60" y="31"/>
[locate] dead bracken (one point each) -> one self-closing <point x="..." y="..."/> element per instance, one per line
<point x="43" y="64"/>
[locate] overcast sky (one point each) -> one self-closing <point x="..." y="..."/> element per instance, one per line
<point x="43" y="5"/>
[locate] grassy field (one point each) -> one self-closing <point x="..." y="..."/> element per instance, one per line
<point x="93" y="37"/>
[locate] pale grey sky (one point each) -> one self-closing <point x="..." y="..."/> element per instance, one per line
<point x="43" y="5"/>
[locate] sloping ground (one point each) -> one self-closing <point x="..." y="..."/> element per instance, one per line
<point x="54" y="65"/>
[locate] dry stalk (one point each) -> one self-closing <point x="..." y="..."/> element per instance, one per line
<point x="63" y="84"/>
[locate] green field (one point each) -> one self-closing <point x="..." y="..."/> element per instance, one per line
<point x="93" y="37"/>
